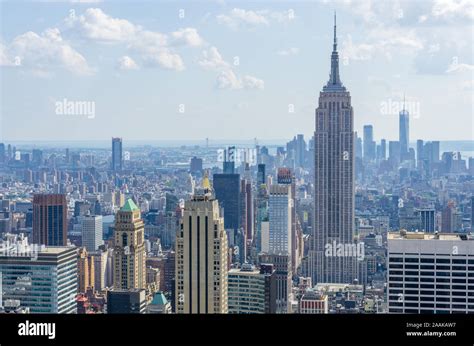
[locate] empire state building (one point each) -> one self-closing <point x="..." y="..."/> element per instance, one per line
<point x="334" y="182"/>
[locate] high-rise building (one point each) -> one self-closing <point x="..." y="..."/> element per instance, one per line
<point x="420" y="156"/>
<point x="383" y="149"/>
<point x="280" y="212"/>
<point x="129" y="250"/>
<point x="252" y="290"/>
<point x="227" y="192"/>
<point x="85" y="271"/>
<point x="369" y="143"/>
<point x="281" y="264"/>
<point x="92" y="232"/>
<point x="358" y="146"/>
<point x="201" y="256"/>
<point x="404" y="132"/>
<point x="2" y="153"/>
<point x="430" y="273"/>
<point x="43" y="279"/>
<point x="196" y="165"/>
<point x="50" y="219"/>
<point x="334" y="179"/>
<point x="427" y="220"/>
<point x="448" y="218"/>
<point x="394" y="152"/>
<point x="261" y="174"/>
<point x="131" y="301"/>
<point x="117" y="156"/>
<point x="300" y="151"/>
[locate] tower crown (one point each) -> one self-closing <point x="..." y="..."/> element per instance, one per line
<point x="334" y="83"/>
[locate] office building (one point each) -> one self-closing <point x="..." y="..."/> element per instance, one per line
<point x="279" y="213"/>
<point x="196" y="165"/>
<point x="404" y="132"/>
<point x="281" y="264"/>
<point x="201" y="256"/>
<point x="50" y="219"/>
<point x="369" y="143"/>
<point x="92" y="232"/>
<point x="430" y="273"/>
<point x="117" y="154"/>
<point x="131" y="301"/>
<point x="427" y="220"/>
<point x="43" y="279"/>
<point x="129" y="250"/>
<point x="252" y="290"/>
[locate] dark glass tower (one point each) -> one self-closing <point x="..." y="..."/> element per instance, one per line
<point x="50" y="219"/>
<point x="117" y="160"/>
<point x="334" y="180"/>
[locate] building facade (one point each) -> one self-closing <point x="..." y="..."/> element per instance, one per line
<point x="334" y="180"/>
<point x="201" y="256"/>
<point x="129" y="250"/>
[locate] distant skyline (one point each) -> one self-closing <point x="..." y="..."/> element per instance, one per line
<point x="230" y="69"/>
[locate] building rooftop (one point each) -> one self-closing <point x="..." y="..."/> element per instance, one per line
<point x="129" y="206"/>
<point x="403" y="234"/>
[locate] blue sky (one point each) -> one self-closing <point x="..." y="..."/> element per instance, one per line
<point x="168" y="70"/>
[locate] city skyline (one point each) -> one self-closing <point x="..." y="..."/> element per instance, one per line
<point x="128" y="63"/>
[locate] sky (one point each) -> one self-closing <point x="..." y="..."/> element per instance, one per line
<point x="176" y="70"/>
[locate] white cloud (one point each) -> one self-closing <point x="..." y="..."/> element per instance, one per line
<point x="212" y="60"/>
<point x="227" y="79"/>
<point x="238" y="17"/>
<point x="151" y="47"/>
<point x="451" y="9"/>
<point x="251" y="82"/>
<point x="459" y="68"/>
<point x="96" y="25"/>
<point x="290" y="51"/>
<point x="385" y="41"/>
<point x="187" y="36"/>
<point x="45" y="51"/>
<point x="127" y="63"/>
<point x="165" y="59"/>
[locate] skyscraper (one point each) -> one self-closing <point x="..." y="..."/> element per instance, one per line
<point x="369" y="143"/>
<point x="334" y="179"/>
<point x="92" y="232"/>
<point x="129" y="249"/>
<point x="427" y="220"/>
<point x="50" y="219"/>
<point x="201" y="256"/>
<point x="117" y="158"/>
<point x="227" y="192"/>
<point x="404" y="132"/>
<point x="280" y="210"/>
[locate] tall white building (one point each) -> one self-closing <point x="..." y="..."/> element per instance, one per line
<point x="430" y="273"/>
<point x="279" y="212"/>
<point x="92" y="232"/>
<point x="201" y="256"/>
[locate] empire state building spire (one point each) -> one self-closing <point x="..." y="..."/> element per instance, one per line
<point x="334" y="83"/>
